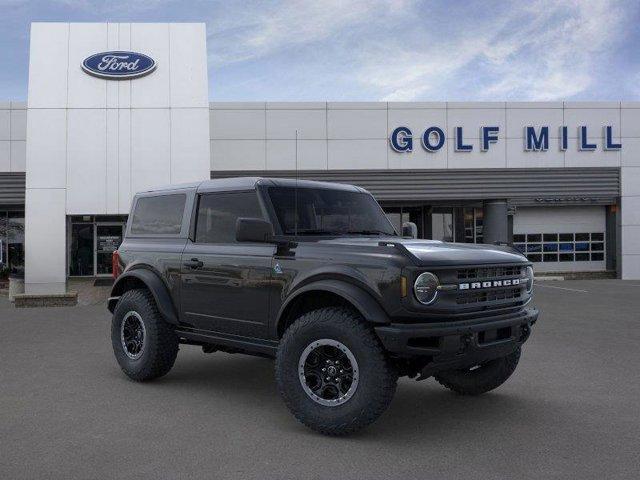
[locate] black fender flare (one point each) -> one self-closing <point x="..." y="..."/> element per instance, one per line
<point x="362" y="300"/>
<point x="154" y="284"/>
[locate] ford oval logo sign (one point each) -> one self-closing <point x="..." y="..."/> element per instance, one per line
<point x="118" y="65"/>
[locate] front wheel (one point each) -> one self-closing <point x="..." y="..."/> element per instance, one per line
<point x="480" y="378"/>
<point x="333" y="373"/>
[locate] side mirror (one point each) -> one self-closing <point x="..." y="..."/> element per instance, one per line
<point x="409" y="229"/>
<point x="253" y="230"/>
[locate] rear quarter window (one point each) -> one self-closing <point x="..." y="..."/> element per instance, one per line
<point x="158" y="215"/>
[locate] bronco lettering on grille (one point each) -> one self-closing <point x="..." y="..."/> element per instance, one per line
<point x="489" y="284"/>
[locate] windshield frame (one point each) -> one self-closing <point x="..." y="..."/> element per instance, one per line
<point x="264" y="193"/>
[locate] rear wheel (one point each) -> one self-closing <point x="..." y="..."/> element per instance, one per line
<point x="480" y="378"/>
<point x="145" y="346"/>
<point x="333" y="373"/>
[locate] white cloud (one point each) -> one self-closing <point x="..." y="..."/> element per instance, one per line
<point x="546" y="50"/>
<point x="257" y="30"/>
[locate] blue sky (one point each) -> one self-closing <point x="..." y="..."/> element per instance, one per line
<point x="363" y="50"/>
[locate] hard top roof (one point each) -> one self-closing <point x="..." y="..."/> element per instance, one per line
<point x="249" y="183"/>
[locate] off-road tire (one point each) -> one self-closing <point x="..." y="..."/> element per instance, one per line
<point x="482" y="379"/>
<point x="160" y="343"/>
<point x="377" y="377"/>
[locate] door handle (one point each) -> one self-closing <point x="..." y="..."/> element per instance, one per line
<point x="193" y="263"/>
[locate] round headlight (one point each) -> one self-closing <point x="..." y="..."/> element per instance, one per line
<point x="426" y="288"/>
<point x="529" y="279"/>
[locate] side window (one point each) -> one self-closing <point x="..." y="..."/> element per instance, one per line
<point x="218" y="212"/>
<point x="158" y="215"/>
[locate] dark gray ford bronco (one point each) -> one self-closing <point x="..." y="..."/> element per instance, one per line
<point x="314" y="275"/>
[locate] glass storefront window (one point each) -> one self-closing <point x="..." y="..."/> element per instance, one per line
<point x="15" y="241"/>
<point x="92" y="242"/>
<point x="473" y="218"/>
<point x="11" y="243"/>
<point x="442" y="225"/>
<point x="108" y="239"/>
<point x="399" y="215"/>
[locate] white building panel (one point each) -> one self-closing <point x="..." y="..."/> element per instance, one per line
<point x="150" y="148"/>
<point x="356" y="124"/>
<point x="630" y="267"/>
<point x="86" y="161"/>
<point x="282" y="124"/>
<point x="5" y="156"/>
<point x="630" y="153"/>
<point x="18" y="156"/>
<point x="630" y="211"/>
<point x="86" y="91"/>
<point x="630" y="181"/>
<point x="124" y="86"/>
<point x="631" y="239"/>
<point x="46" y="148"/>
<point x="5" y="124"/>
<point x="238" y="124"/>
<point x="152" y="91"/>
<point x="281" y="155"/>
<point x="630" y="122"/>
<point x="357" y="154"/>
<point x="238" y="155"/>
<point x="48" y="62"/>
<point x="124" y="161"/>
<point x="18" y="124"/>
<point x="188" y="56"/>
<point x="113" y="43"/>
<point x="45" y="241"/>
<point x="111" y="160"/>
<point x="574" y="157"/>
<point x="189" y="145"/>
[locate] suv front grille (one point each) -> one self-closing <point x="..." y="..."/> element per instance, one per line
<point x="469" y="297"/>
<point x="488" y="273"/>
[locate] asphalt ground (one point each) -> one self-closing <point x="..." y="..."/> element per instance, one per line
<point x="571" y="410"/>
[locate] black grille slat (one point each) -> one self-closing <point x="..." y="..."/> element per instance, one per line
<point x="484" y="296"/>
<point x="488" y="273"/>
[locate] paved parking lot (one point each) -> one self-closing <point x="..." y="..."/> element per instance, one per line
<point x="572" y="409"/>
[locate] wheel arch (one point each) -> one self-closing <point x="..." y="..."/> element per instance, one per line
<point x="144" y="278"/>
<point x="324" y="293"/>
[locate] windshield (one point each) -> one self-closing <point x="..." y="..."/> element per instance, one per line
<point x="323" y="211"/>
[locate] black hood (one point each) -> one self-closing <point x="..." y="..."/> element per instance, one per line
<point x="437" y="253"/>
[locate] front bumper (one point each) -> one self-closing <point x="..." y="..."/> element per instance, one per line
<point x="462" y="344"/>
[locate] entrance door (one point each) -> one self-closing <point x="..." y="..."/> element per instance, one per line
<point x="81" y="251"/>
<point x="108" y="238"/>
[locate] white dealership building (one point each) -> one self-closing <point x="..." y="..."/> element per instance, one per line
<point x="116" y="108"/>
